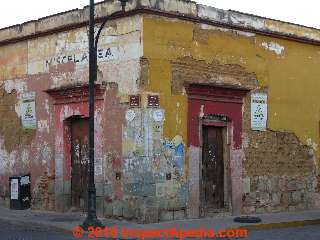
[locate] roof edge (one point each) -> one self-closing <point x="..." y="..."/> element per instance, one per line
<point x="180" y="9"/>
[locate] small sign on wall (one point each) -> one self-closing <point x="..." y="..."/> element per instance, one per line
<point x="98" y="166"/>
<point x="153" y="101"/>
<point x="14" y="189"/>
<point x="28" y="110"/>
<point x="134" y="100"/>
<point x="158" y="115"/>
<point x="259" y="111"/>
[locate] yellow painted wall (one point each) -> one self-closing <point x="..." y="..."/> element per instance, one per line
<point x="292" y="78"/>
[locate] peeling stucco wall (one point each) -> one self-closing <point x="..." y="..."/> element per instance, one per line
<point x="60" y="61"/>
<point x="146" y="168"/>
<point x="22" y="151"/>
<point x="202" y="54"/>
<point x="64" y="56"/>
<point x="192" y="71"/>
<point x="11" y="128"/>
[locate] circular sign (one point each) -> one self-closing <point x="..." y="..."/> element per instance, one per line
<point x="130" y="115"/>
<point x="158" y="115"/>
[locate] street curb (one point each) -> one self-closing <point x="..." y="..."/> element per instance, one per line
<point x="269" y="226"/>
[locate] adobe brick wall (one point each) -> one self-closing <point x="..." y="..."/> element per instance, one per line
<point x="279" y="174"/>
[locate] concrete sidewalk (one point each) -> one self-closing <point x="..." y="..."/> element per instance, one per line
<point x="67" y="221"/>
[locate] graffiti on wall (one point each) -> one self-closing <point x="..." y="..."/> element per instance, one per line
<point x="145" y="148"/>
<point x="174" y="152"/>
<point x="153" y="166"/>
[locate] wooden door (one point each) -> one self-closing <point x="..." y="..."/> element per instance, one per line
<point x="80" y="162"/>
<point x="212" y="169"/>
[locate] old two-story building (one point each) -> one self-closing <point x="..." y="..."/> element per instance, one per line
<point x="199" y="111"/>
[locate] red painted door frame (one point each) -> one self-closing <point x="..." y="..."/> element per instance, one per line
<point x="214" y="100"/>
<point x="69" y="103"/>
<point x="206" y="105"/>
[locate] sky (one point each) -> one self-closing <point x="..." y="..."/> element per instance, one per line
<point x="304" y="12"/>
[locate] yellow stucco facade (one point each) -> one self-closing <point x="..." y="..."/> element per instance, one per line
<point x="288" y="69"/>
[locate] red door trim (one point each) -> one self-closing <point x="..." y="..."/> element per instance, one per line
<point x="214" y="101"/>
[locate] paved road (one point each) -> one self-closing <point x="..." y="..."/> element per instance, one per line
<point x="311" y="232"/>
<point x="12" y="231"/>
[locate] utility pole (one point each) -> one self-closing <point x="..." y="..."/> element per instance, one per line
<point x="91" y="219"/>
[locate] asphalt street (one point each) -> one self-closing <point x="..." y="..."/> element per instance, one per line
<point x="310" y="232"/>
<point x="12" y="231"/>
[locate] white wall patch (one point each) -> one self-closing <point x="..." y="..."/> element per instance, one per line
<point x="272" y="46"/>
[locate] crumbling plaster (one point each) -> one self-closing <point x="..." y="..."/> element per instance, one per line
<point x="55" y="61"/>
<point x="221" y="57"/>
<point x="143" y="54"/>
<point x="246" y="52"/>
<point x="178" y="7"/>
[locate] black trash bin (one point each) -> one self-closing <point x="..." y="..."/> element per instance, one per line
<point x="20" y="194"/>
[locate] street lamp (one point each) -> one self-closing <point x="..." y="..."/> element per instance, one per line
<point x="91" y="219"/>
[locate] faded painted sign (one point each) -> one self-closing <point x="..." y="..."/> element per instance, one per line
<point x="14" y="189"/>
<point x="102" y="54"/>
<point x="259" y="111"/>
<point x="28" y="110"/>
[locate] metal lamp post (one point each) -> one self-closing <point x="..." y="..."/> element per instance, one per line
<point x="91" y="219"/>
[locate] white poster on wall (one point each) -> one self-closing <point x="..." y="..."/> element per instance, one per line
<point x="259" y="111"/>
<point x="28" y="110"/>
<point x="14" y="189"/>
<point x="25" y="180"/>
<point x="98" y="166"/>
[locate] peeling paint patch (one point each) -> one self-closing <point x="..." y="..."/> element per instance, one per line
<point x="46" y="106"/>
<point x="189" y="70"/>
<point x="213" y="28"/>
<point x="10" y="123"/>
<point x="221" y="15"/>
<point x="67" y="111"/>
<point x="24" y="156"/>
<point x="7" y="160"/>
<point x="43" y="126"/>
<point x="44" y="154"/>
<point x="312" y="144"/>
<point x="18" y="85"/>
<point x="272" y="46"/>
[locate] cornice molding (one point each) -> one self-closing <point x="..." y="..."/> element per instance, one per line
<point x="74" y="94"/>
<point x="216" y="94"/>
